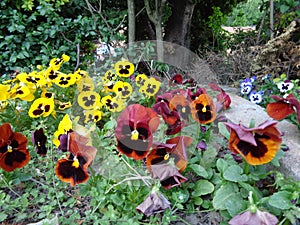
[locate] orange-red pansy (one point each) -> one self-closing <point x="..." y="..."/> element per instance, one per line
<point x="257" y="145"/>
<point x="13" y="152"/>
<point x="283" y="107"/>
<point x="134" y="130"/>
<point x="203" y="109"/>
<point x="73" y="169"/>
<point x="181" y="105"/>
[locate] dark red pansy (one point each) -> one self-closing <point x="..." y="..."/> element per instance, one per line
<point x="222" y="98"/>
<point x="193" y="95"/>
<point x="176" y="79"/>
<point x="78" y="145"/>
<point x="134" y="131"/>
<point x="257" y="145"/>
<point x="168" y="175"/>
<point x="182" y="105"/>
<point x="13" y="151"/>
<point x="72" y="170"/>
<point x="203" y="109"/>
<point x="39" y="139"/>
<point x="283" y="107"/>
<point x="172" y="118"/>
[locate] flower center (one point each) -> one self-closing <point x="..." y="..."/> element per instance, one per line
<point x="75" y="163"/>
<point x="204" y="108"/>
<point x="167" y="156"/>
<point x="9" y="148"/>
<point x="134" y="135"/>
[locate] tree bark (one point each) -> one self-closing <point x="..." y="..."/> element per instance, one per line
<point x="179" y="23"/>
<point x="131" y="21"/>
<point x="155" y="15"/>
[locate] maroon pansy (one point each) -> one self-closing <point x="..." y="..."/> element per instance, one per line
<point x="39" y="139"/>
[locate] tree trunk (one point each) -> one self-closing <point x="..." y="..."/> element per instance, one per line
<point x="155" y="15"/>
<point x="179" y="23"/>
<point x="131" y="21"/>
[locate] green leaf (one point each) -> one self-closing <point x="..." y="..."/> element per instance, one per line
<point x="203" y="187"/>
<point x="208" y="157"/>
<point x="226" y="191"/>
<point x="199" y="170"/>
<point x="198" y="201"/>
<point x="281" y="200"/>
<point x="3" y="216"/>
<point x="235" y="204"/>
<point x="222" y="165"/>
<point x="235" y="173"/>
<point x="223" y="130"/>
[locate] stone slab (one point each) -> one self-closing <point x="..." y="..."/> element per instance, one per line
<point x="242" y="111"/>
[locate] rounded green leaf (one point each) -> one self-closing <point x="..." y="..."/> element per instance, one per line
<point x="235" y="173"/>
<point x="203" y="187"/>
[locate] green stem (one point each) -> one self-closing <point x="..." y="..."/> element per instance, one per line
<point x="246" y="167"/>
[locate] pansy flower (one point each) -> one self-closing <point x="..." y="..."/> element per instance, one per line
<point x="51" y="74"/>
<point x="122" y="89"/>
<point x="55" y="63"/>
<point x="92" y="116"/>
<point x="193" y="95"/>
<point x="150" y="87"/>
<point x="173" y="152"/>
<point x="172" y="118"/>
<point x="88" y="100"/>
<point x="109" y="75"/>
<point x="124" y="68"/>
<point x="73" y="169"/>
<point x="39" y="139"/>
<point x="285" y="86"/>
<point x="81" y="73"/>
<point x="283" y="107"/>
<point x="85" y="84"/>
<point x="256" y="218"/>
<point x="181" y="105"/>
<point x="64" y="126"/>
<point x="65" y="80"/>
<point x="4" y="92"/>
<point x="33" y="78"/>
<point x="246" y="86"/>
<point x="222" y="98"/>
<point x="41" y="107"/>
<point x="154" y="203"/>
<point x="140" y="79"/>
<point x="113" y="104"/>
<point x="257" y="145"/>
<point x="203" y="109"/>
<point x="168" y="175"/>
<point x="21" y="91"/>
<point x="256" y="97"/>
<point x="176" y="79"/>
<point x="108" y="86"/>
<point x="64" y="105"/>
<point x="47" y="94"/>
<point x="134" y="131"/>
<point x="13" y="151"/>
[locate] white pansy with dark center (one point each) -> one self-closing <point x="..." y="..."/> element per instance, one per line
<point x="285" y="86"/>
<point x="256" y="97"/>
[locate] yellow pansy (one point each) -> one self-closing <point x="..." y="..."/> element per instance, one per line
<point x="65" y="80"/>
<point x="113" y="104"/>
<point x="64" y="105"/>
<point x="88" y="100"/>
<point x="85" y="84"/>
<point x="92" y="116"/>
<point x="110" y="75"/>
<point x="56" y="62"/>
<point x="81" y="73"/>
<point x="41" y="107"/>
<point x="3" y="104"/>
<point x="122" y="89"/>
<point x="64" y="126"/>
<point x="124" y="68"/>
<point x="4" y="92"/>
<point x="140" y="79"/>
<point x="46" y="94"/>
<point x="21" y="91"/>
<point x="150" y="87"/>
<point x="33" y="78"/>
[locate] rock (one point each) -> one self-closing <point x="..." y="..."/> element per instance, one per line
<point x="242" y="111"/>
